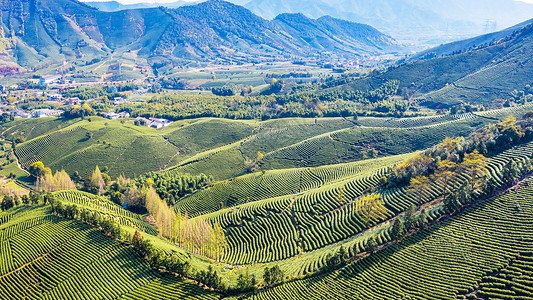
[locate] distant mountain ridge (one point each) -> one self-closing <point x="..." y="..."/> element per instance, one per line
<point x="424" y="21"/>
<point x="469" y="44"/>
<point x="56" y="30"/>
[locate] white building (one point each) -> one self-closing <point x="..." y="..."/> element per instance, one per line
<point x="50" y="79"/>
<point x="55" y="97"/>
<point x="43" y="113"/>
<point x="113" y="116"/>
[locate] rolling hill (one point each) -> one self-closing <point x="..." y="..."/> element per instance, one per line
<point x="220" y="147"/>
<point x="295" y="218"/>
<point x="52" y="31"/>
<point x="300" y="210"/>
<point x="464" y="45"/>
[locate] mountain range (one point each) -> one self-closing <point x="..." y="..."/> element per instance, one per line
<point x="422" y="22"/>
<point x="52" y="31"/>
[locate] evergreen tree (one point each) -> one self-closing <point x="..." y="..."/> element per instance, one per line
<point x="266" y="275"/>
<point x="511" y="171"/>
<point x="398" y="229"/>
<point x="410" y="218"/>
<point x="7" y="203"/>
<point x="464" y="194"/>
<point x="451" y="203"/>
<point x="423" y="219"/>
<point x="371" y="245"/>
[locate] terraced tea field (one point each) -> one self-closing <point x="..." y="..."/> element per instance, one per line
<point x="295" y="211"/>
<point x="47" y="257"/>
<point x="443" y="262"/>
<point x="220" y="147"/>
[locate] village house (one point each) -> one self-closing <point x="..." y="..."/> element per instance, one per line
<point x="159" y="123"/>
<point x="119" y="100"/>
<point x="72" y="101"/>
<point x="113" y="116"/>
<point x="43" y="113"/>
<point x="55" y="97"/>
<point x="153" y="122"/>
<point x="50" y="79"/>
<point x="141" y="91"/>
<point x="19" y="113"/>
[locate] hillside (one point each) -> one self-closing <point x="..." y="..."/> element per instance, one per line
<point x="220" y="147"/>
<point x="49" y="32"/>
<point x="484" y="76"/>
<point x="332" y="34"/>
<point x="65" y="263"/>
<point x="112" y="6"/>
<point x="297" y="219"/>
<point x="487" y="244"/>
<point x="468" y="44"/>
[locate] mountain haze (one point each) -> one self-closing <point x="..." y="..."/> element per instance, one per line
<point x="112" y="6"/>
<point x="422" y="21"/>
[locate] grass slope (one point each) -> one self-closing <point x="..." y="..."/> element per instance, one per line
<point x="479" y="76"/>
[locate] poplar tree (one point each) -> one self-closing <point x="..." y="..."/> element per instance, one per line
<point x="97" y="181"/>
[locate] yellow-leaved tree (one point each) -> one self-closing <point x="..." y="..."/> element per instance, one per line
<point x="370" y="208"/>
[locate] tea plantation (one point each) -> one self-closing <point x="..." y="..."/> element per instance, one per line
<point x="286" y="194"/>
<point x="47" y="257"/>
<point x="446" y="261"/>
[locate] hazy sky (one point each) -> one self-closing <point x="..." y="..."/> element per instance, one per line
<point x="163" y="1"/>
<point x="142" y="1"/>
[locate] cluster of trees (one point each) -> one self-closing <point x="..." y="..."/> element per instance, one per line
<point x="290" y="75"/>
<point x="142" y="195"/>
<point x="5" y="117"/>
<point x="334" y="260"/>
<point x="107" y="225"/>
<point x="379" y="102"/>
<point x="194" y="234"/>
<point x="173" y="83"/>
<point x="246" y="282"/>
<point x="97" y="91"/>
<point x="9" y="201"/>
<point x="171" y="186"/>
<point x="273" y="275"/>
<point x="77" y="111"/>
<point x="160" y="260"/>
<point x="254" y="165"/>
<point x="444" y="159"/>
<point x="45" y="181"/>
<point x="223" y="91"/>
<point x="371" y="208"/>
<point x="210" y="278"/>
<point x="60" y="181"/>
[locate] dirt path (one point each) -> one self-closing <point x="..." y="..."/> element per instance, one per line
<point x="18" y="162"/>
